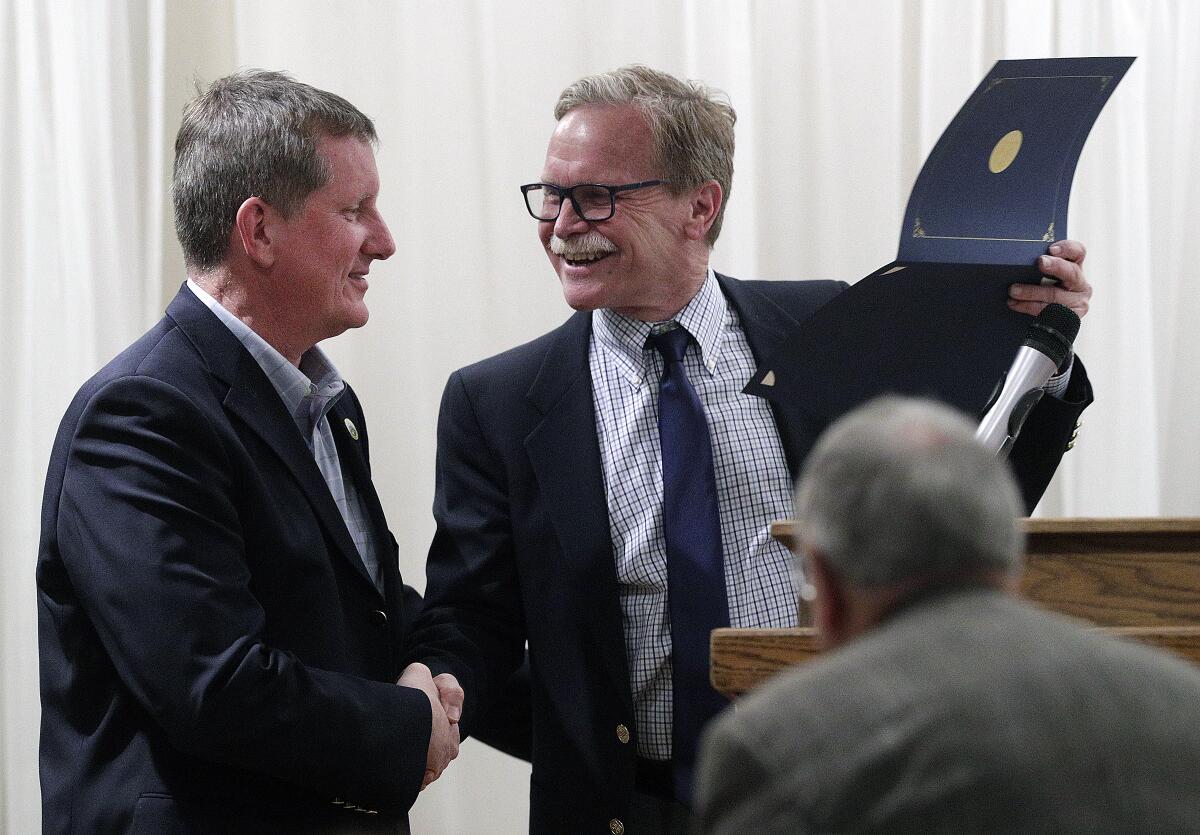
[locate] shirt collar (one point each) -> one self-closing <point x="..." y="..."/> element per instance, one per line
<point x="308" y="392"/>
<point x="624" y="339"/>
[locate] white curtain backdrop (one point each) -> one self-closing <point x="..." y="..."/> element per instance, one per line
<point x="838" y="103"/>
<point x="80" y="244"/>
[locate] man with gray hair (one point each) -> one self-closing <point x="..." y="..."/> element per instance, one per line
<point x="949" y="704"/>
<point x="604" y="492"/>
<point x="222" y="622"/>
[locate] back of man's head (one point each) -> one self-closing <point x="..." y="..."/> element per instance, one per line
<point x="899" y="493"/>
<point x="251" y="134"/>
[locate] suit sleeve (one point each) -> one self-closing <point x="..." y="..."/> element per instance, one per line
<point x="507" y="723"/>
<point x="1048" y="433"/>
<point x="473" y="621"/>
<point x="154" y="546"/>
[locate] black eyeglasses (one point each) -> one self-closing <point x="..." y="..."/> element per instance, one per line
<point x="592" y="201"/>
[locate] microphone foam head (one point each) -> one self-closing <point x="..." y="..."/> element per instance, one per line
<point x="1053" y="332"/>
<point x="1060" y="318"/>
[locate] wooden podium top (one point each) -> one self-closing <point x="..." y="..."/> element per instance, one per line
<point x="1135" y="577"/>
<point x="1112" y="572"/>
<point x="1180" y="530"/>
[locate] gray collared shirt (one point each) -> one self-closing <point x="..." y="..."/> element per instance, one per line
<point x="308" y="393"/>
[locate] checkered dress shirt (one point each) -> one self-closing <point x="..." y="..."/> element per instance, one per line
<point x="753" y="488"/>
<point x="309" y="403"/>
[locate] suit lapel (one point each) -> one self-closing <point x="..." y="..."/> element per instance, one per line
<point x="254" y="401"/>
<point x="766" y="325"/>
<point x="565" y="454"/>
<point x="352" y="452"/>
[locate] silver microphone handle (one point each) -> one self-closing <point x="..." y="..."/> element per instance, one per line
<point x="1022" y="389"/>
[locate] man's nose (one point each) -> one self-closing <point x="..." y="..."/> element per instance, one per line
<point x="569" y="222"/>
<point x="379" y="243"/>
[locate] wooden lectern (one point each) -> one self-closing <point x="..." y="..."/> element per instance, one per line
<point x="1134" y="577"/>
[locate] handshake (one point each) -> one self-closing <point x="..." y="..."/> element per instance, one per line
<point x="445" y="701"/>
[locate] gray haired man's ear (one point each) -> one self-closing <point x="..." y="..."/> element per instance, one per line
<point x="829" y="603"/>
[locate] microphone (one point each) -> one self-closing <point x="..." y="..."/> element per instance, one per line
<point x="1047" y="345"/>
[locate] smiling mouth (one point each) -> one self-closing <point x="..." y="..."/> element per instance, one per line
<point x="582" y="260"/>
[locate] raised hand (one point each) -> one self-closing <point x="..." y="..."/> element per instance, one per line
<point x="1065" y="263"/>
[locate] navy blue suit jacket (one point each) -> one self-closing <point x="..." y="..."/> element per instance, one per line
<point x="522" y="548"/>
<point x="214" y="656"/>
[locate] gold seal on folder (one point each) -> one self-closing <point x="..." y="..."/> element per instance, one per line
<point x="1005" y="152"/>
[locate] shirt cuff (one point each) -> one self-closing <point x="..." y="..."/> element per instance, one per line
<point x="1056" y="386"/>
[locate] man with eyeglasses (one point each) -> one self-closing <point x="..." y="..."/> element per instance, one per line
<point x="604" y="492"/>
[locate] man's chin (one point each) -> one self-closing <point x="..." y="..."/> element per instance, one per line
<point x="590" y="292"/>
<point x="582" y="299"/>
<point x="356" y="317"/>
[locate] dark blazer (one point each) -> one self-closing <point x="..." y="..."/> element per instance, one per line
<point x="522" y="549"/>
<point x="214" y="656"/>
<point x="968" y="711"/>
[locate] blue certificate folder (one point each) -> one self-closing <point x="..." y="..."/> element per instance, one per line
<point x="991" y="198"/>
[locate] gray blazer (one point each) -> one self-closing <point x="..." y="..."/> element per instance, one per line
<point x="970" y="711"/>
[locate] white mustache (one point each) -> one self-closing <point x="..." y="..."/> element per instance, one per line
<point x="588" y="245"/>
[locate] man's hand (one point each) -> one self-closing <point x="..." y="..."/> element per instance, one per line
<point x="443" y="737"/>
<point x="451" y="696"/>
<point x="1065" y="263"/>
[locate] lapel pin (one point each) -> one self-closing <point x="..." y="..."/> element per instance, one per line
<point x="769" y="380"/>
<point x="352" y="429"/>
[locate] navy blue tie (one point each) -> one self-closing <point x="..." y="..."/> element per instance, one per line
<point x="695" y="568"/>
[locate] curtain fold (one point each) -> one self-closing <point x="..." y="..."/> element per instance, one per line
<point x="838" y="104"/>
<point x="80" y="242"/>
